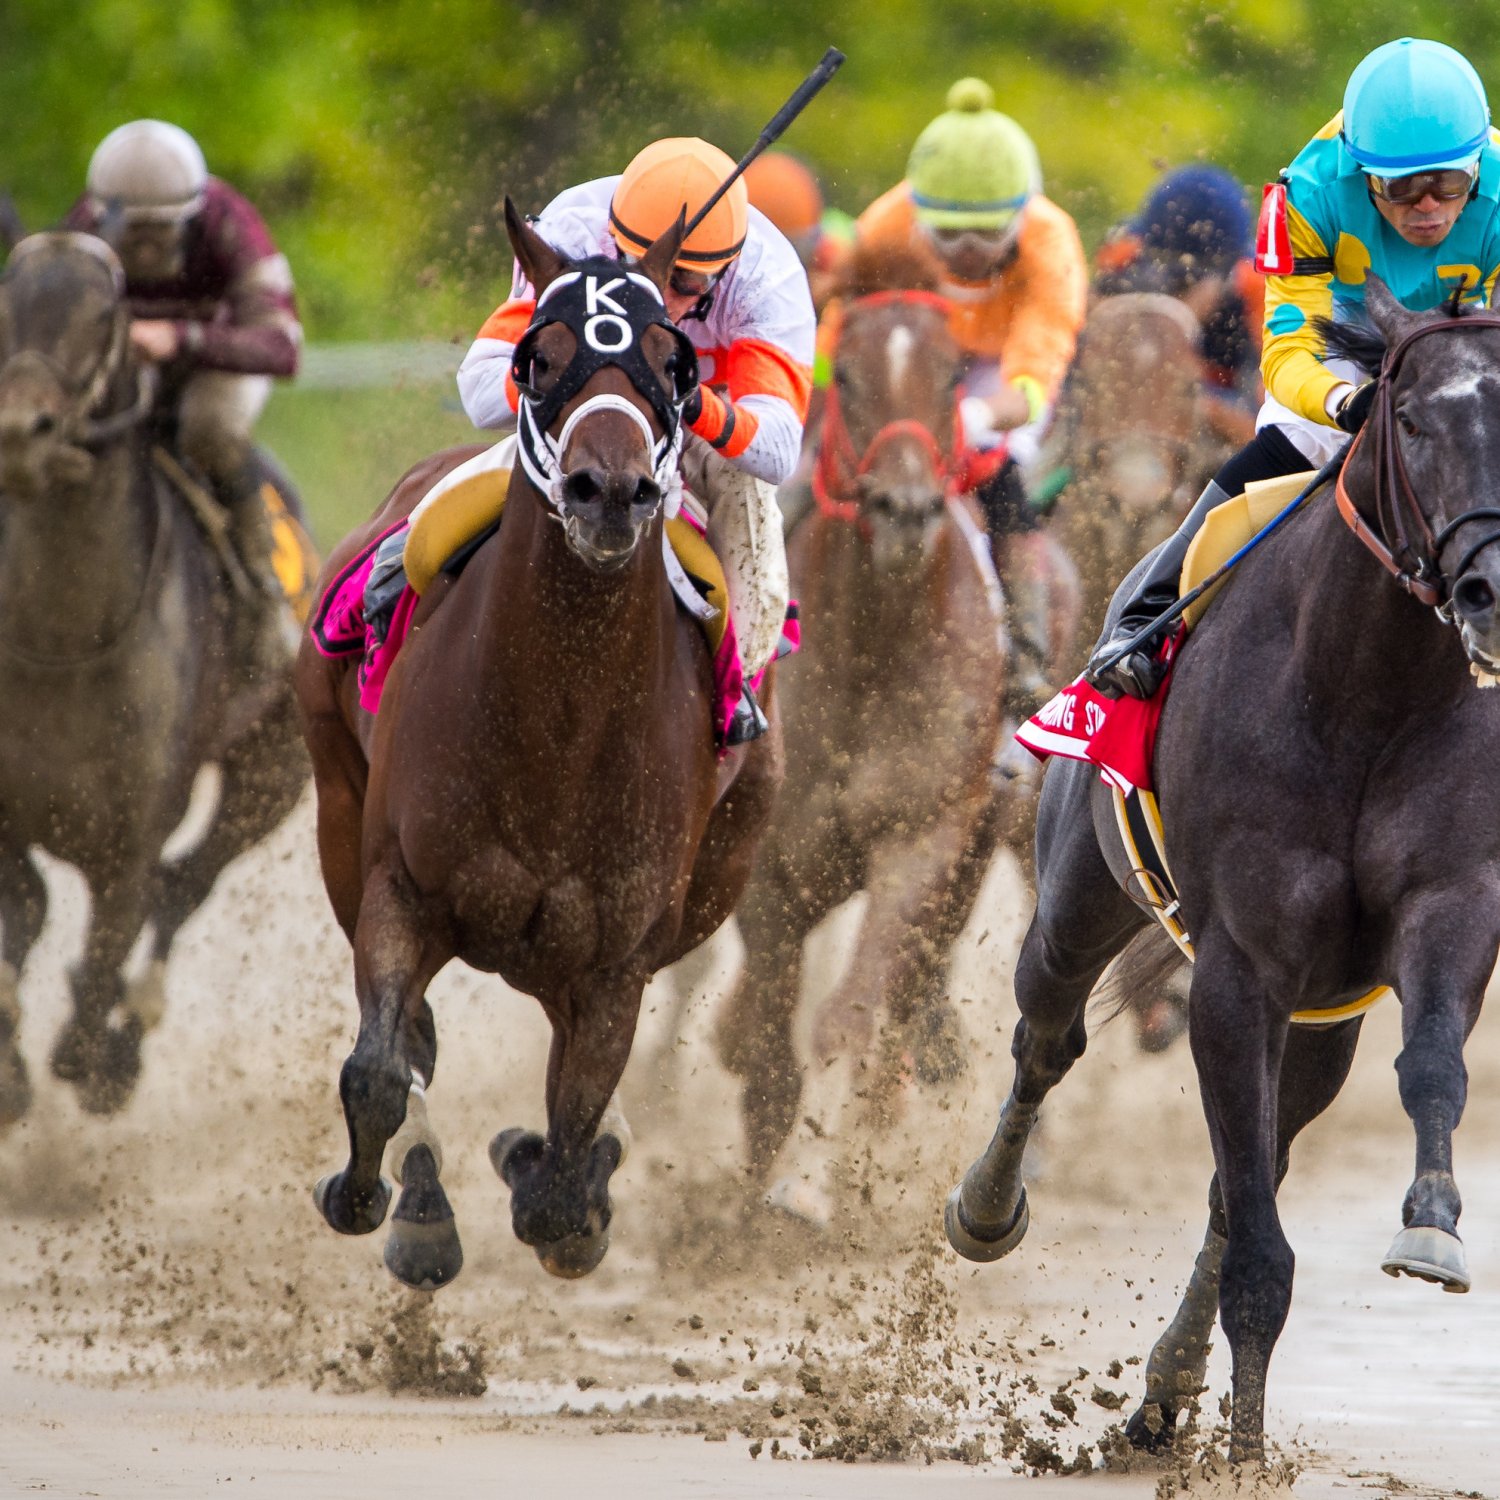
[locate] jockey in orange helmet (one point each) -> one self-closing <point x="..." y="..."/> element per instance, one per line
<point x="740" y="294"/>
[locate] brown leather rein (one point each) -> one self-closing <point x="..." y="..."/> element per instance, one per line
<point x="1409" y="553"/>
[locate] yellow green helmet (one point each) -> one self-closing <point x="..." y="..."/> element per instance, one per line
<point x="973" y="167"/>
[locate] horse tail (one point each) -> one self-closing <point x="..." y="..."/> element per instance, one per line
<point x="1138" y="972"/>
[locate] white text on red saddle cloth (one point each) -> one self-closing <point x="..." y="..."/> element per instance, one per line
<point x="1116" y="734"/>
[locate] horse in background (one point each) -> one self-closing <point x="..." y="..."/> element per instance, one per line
<point x="1327" y="763"/>
<point x="892" y="722"/>
<point x="1134" y="433"/>
<point x="117" y="668"/>
<point x="541" y="793"/>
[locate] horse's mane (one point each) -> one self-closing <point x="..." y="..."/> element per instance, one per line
<point x="1361" y="341"/>
<point x="886" y="268"/>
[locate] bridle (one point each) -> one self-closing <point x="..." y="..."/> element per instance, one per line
<point x="608" y="308"/>
<point x="1401" y="538"/>
<point x="841" y="465"/>
<point x="83" y="426"/>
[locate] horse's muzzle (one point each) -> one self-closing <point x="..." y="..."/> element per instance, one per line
<point x="1475" y="604"/>
<point x="605" y="515"/>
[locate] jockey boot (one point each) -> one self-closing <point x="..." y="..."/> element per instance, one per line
<point x="387" y="581"/>
<point x="1029" y="618"/>
<point x="263" y="642"/>
<point x="1140" y="673"/>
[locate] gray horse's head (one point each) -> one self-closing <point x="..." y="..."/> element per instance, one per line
<point x="64" y="355"/>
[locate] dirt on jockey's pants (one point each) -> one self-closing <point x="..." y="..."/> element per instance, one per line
<point x="744" y="527"/>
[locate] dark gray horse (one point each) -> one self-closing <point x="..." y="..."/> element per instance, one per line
<point x="114" y="644"/>
<point x="1326" y="764"/>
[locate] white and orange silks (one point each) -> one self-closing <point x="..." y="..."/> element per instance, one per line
<point x="755" y="353"/>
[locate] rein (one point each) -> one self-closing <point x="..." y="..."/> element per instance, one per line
<point x="1401" y="539"/>
<point x="841" y="465"/>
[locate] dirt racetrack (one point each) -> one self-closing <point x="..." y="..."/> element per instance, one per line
<point x="179" y="1319"/>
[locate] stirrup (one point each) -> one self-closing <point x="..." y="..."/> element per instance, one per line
<point x="748" y="722"/>
<point x="384" y="586"/>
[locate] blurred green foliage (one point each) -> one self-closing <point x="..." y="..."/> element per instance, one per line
<point x="378" y="136"/>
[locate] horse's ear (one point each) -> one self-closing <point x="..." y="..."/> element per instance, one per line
<point x="1387" y="314"/>
<point x="658" y="261"/>
<point x="539" y="261"/>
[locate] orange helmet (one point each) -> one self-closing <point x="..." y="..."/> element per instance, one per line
<point x="786" y="192"/>
<point x="668" y="177"/>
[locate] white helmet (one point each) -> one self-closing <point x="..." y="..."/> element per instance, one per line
<point x="148" y="169"/>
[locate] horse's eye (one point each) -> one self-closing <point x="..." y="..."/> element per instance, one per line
<point x="539" y="366"/>
<point x="673" y="364"/>
<point x="841" y="377"/>
<point x="1409" y="427"/>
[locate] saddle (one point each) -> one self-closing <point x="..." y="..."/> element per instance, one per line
<point x="445" y="530"/>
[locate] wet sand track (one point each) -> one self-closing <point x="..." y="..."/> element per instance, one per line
<point x="178" y="1318"/>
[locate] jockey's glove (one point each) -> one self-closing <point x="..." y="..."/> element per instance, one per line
<point x="692" y="408"/>
<point x="1354" y="409"/>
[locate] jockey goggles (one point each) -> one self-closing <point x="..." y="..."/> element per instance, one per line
<point x="989" y="242"/>
<point x="686" y="283"/>
<point x="1444" y="185"/>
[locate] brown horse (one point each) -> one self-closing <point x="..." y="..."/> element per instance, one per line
<point x="893" y="716"/>
<point x="1134" y="432"/>
<point x="539" y="794"/>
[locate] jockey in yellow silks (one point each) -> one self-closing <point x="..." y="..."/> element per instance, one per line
<point x="1404" y="183"/>
<point x="739" y="293"/>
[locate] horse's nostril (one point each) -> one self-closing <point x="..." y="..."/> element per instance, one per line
<point x="1473" y="596"/>
<point x="43" y="425"/>
<point x="582" y="486"/>
<point x="647" y="493"/>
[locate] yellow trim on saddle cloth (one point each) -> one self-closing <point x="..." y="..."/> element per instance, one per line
<point x="461" y="504"/>
<point x="1137" y="811"/>
<point x="1227" y="527"/>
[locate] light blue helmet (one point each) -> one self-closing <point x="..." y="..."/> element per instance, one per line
<point x="1414" y="106"/>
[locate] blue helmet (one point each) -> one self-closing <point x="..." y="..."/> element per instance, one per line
<point x="1197" y="212"/>
<point x="1414" y="106"/>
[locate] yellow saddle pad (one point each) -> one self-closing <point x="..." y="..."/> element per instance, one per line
<point x="472" y="497"/>
<point x="1228" y="527"/>
<point x="294" y="559"/>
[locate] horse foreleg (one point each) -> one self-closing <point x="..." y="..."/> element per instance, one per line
<point x="23" y="910"/>
<point x="1313" y="1069"/>
<point x="397" y="951"/>
<point x="1082" y="921"/>
<point x="1444" y="958"/>
<point x="560" y="1185"/>
<point x="103" y="1060"/>
<point x="754" y="1030"/>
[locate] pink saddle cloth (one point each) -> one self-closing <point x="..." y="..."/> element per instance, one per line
<point x="339" y="629"/>
<point x="1116" y="734"/>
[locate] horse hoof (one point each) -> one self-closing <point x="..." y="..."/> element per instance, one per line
<point x="1151" y="1429"/>
<point x="111" y="1067"/>
<point x="974" y="1246"/>
<point x="423" y="1250"/>
<point x="574" y="1255"/>
<point x="512" y="1151"/>
<point x="1430" y="1255"/>
<point x="351" y="1217"/>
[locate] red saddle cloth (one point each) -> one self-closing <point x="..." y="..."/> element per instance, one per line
<point x="1116" y="734"/>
